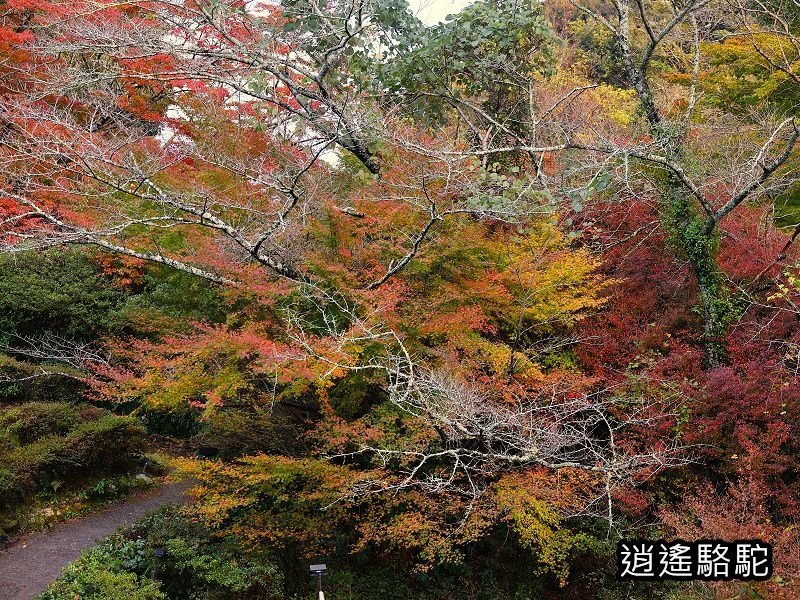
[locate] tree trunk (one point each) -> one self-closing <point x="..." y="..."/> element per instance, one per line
<point x="690" y="234"/>
<point x="714" y="328"/>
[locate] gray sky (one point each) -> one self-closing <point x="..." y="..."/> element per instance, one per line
<point x="431" y="12"/>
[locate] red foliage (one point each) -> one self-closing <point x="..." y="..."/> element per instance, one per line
<point x="647" y="321"/>
<point x="739" y="513"/>
<point x="750" y="244"/>
<point x="742" y="419"/>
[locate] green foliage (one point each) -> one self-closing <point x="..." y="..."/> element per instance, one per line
<point x="28" y="382"/>
<point x="61" y="292"/>
<point x="169" y="298"/>
<point x="27" y="423"/>
<point x="235" y="431"/>
<point x="504" y="193"/>
<point x="316" y="314"/>
<point x="50" y="446"/>
<point x="470" y="54"/>
<point x="97" y="576"/>
<point x="691" y="238"/>
<point x="183" y="423"/>
<point x="787" y="207"/>
<point x="66" y="292"/>
<point x="353" y="395"/>
<point x="393" y="21"/>
<point x="195" y="566"/>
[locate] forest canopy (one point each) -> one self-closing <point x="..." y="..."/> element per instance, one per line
<point x="454" y="307"/>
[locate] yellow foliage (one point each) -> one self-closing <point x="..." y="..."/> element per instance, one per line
<point x="538" y="526"/>
<point x="604" y="102"/>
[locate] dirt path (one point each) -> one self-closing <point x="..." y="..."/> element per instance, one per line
<point x="27" y="567"/>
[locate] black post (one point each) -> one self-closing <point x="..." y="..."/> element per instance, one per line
<point x="159" y="553"/>
<point x="318" y="571"/>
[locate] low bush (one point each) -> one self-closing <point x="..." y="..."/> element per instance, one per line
<point x="26" y="424"/>
<point x="25" y="382"/>
<point x="190" y="564"/>
<point x="50" y="446"/>
<point x="97" y="576"/>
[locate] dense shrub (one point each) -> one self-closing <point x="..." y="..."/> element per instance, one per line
<point x="68" y="296"/>
<point x="96" y="576"/>
<point x="51" y="445"/>
<point x="201" y="561"/>
<point x="237" y="432"/>
<point x="184" y="423"/>
<point x="193" y="566"/>
<point x="26" y="424"/>
<point x="292" y="512"/>
<point x="60" y="292"/>
<point x="169" y="297"/>
<point x="25" y="382"/>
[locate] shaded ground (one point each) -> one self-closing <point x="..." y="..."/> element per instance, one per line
<point x="27" y="567"/>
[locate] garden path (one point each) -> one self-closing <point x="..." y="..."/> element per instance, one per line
<point x="35" y="560"/>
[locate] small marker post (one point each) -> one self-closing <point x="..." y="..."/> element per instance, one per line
<point x="318" y="571"/>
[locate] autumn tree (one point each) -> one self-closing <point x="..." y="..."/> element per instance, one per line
<point x="514" y="268"/>
<point x="673" y="147"/>
<point x="697" y="198"/>
<point x="393" y="213"/>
